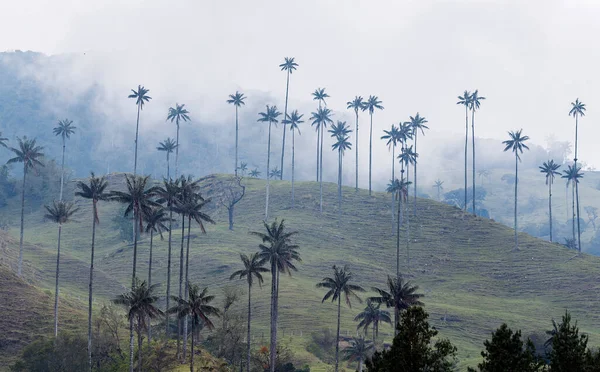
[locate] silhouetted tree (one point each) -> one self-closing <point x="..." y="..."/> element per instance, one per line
<point x="141" y="97"/>
<point x="289" y="66"/>
<point x="549" y="169"/>
<point x="237" y="100"/>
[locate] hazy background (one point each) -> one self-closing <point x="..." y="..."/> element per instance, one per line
<point x="530" y="59"/>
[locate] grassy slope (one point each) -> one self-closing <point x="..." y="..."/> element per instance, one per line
<point x="464" y="265"/>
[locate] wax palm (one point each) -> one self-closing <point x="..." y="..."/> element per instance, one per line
<point x="243" y="168"/>
<point x="399" y="294"/>
<point x="371" y="105"/>
<point x="64" y="129"/>
<point x="356" y="104"/>
<point x="372" y="316"/>
<point x="196" y="305"/>
<point x="358" y="351"/>
<point x="95" y="190"/>
<point x="320" y="119"/>
<point x="474" y="104"/>
<point x="319" y="95"/>
<point x="167" y="194"/>
<point x="269" y="116"/>
<point x="139" y="202"/>
<point x="141" y="97"/>
<point x="340" y="286"/>
<point x="275" y="173"/>
<point x="255" y="173"/>
<point x="253" y="268"/>
<point x="167" y="146"/>
<point x="465" y="100"/>
<point x="3" y="141"/>
<point x="278" y="250"/>
<point x="28" y="153"/>
<point x="237" y="100"/>
<point x="438" y="184"/>
<point x="516" y="144"/>
<point x="288" y="66"/>
<point x="293" y="119"/>
<point x="549" y="169"/>
<point x="577" y="110"/>
<point x="342" y="143"/>
<point x="418" y="124"/>
<point x="572" y="174"/>
<point x="399" y="190"/>
<point x="59" y="213"/>
<point x="392" y="137"/>
<point x="178" y="114"/>
<point x="141" y="305"/>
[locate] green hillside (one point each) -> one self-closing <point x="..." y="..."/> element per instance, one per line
<point x="465" y="265"/>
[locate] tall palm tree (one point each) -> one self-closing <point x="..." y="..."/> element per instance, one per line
<point x="465" y="100"/>
<point x="573" y="174"/>
<point x="516" y="144"/>
<point x="288" y="66"/>
<point x="358" y="351"/>
<point x="141" y="305"/>
<point x="399" y="294"/>
<point x="167" y="146"/>
<point x="3" y="141"/>
<point x="549" y="169"/>
<point x="139" y="202"/>
<point x="28" y="153"/>
<point x="196" y="305"/>
<point x="141" y="97"/>
<point x="356" y="104"/>
<point x="255" y="173"/>
<point x="340" y="132"/>
<point x="372" y="315"/>
<point x="192" y="208"/>
<point x="408" y="157"/>
<point x="64" y="129"/>
<point x="237" y="100"/>
<point x="269" y="116"/>
<point x="59" y="213"/>
<point x="577" y="110"/>
<point x="279" y="251"/>
<point x="319" y="95"/>
<point x="167" y="195"/>
<point x="399" y="188"/>
<point x="339" y="286"/>
<point x="438" y="184"/>
<point x="95" y="190"/>
<point x="293" y="120"/>
<point x="253" y="268"/>
<point x="417" y="123"/>
<point x="178" y="114"/>
<point x="320" y="119"/>
<point x="474" y="104"/>
<point x="392" y="137"/>
<point x="371" y="104"/>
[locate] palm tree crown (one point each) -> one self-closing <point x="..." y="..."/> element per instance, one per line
<point x="60" y="212"/>
<point x="321" y="118"/>
<point x="474" y="100"/>
<point x="372" y="103"/>
<point x="270" y="115"/>
<point x="572" y="174"/>
<point x="549" y="168"/>
<point x="288" y="65"/>
<point x="140" y="95"/>
<point x="277" y="247"/>
<point x="418" y="123"/>
<point x="64" y="128"/>
<point x="465" y="99"/>
<point x="391" y="136"/>
<point x="27" y="153"/>
<point x="340" y="132"/>
<point x="177" y="114"/>
<point x="167" y="145"/>
<point x="577" y="108"/>
<point x="339" y="286"/>
<point x="372" y="315"/>
<point x="237" y="99"/>
<point x="516" y="143"/>
<point x="356" y="104"/>
<point x="293" y="119"/>
<point x="253" y="268"/>
<point x="138" y="197"/>
<point x="94" y="190"/>
<point x="320" y="95"/>
<point x="140" y="302"/>
<point x="197" y="306"/>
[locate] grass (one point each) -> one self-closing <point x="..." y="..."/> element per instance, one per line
<point x="464" y="265"/>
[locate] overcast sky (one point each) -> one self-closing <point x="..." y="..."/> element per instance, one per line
<point x="529" y="58"/>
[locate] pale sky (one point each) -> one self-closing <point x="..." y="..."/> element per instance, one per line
<point x="529" y="58"/>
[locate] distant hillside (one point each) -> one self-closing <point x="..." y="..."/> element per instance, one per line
<point x="472" y="279"/>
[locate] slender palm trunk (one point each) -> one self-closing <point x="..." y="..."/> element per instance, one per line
<point x="137" y="127"/>
<point x="150" y="283"/>
<point x="356" y="150"/>
<point x="393" y="178"/>
<point x="131" y="344"/>
<point x="578" y="223"/>
<point x="248" y="335"/>
<point x="20" y="267"/>
<point x="337" y="338"/>
<point x="186" y="289"/>
<point x="62" y="170"/>
<point x="360" y="364"/>
<point x="177" y="150"/>
<point x="318" y="154"/>
<point x="407" y="220"/>
<point x="135" y="241"/>
<point x="466" y="149"/>
<point x="168" y="167"/>
<point x="573" y="207"/>
<point x="415" y="178"/>
<point x="370" y="151"/>
<point x="90" y="286"/>
<point x="273" y="346"/>
<point x="516" y="185"/>
<point x="321" y="169"/>
<point x="139" y="334"/>
<point x="396" y="319"/>
<point x="398" y="223"/>
<point x="236" y="140"/>
<point x="293" y="164"/>
<point x="56" y="285"/>
<point x="192" y="350"/>
<point x="268" y="169"/>
<point x="340" y="185"/>
<point x="179" y="321"/>
<point x="287" y="86"/>
<point x="550" y="206"/>
<point x="473" y="155"/>
<point x="168" y="328"/>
